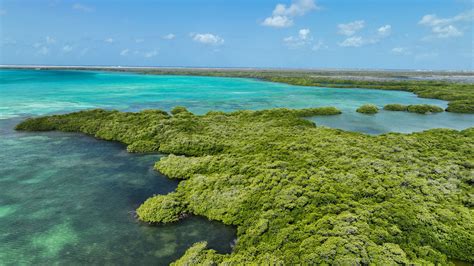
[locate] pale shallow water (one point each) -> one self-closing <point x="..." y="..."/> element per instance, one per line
<point x="30" y="92"/>
<point x="69" y="199"/>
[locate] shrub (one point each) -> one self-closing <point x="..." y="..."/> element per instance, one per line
<point x="424" y="108"/>
<point x="395" y="107"/>
<point x="161" y="209"/>
<point x="317" y="111"/>
<point x="368" y="109"/>
<point x="179" y="109"/>
<point x="461" y="106"/>
<point x="143" y="146"/>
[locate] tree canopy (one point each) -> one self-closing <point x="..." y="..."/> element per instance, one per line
<point x="298" y="193"/>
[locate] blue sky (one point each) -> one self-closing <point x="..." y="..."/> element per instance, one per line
<point x="403" y="34"/>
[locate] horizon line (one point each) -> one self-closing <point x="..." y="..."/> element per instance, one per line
<point x="234" y="68"/>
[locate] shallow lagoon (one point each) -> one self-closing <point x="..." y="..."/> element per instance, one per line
<point x="69" y="199"/>
<point x="26" y="92"/>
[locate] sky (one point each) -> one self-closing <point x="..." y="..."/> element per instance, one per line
<point x="367" y="34"/>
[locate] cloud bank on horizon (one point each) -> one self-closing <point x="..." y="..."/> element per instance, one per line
<point x="285" y="33"/>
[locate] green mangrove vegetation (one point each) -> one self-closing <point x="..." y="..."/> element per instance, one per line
<point x="424" y="108"/>
<point x="368" y="109"/>
<point x="414" y="108"/>
<point x="299" y="193"/>
<point x="395" y="107"/>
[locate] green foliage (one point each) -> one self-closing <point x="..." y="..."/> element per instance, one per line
<point x="424" y="108"/>
<point x="178" y="110"/>
<point x="317" y="111"/>
<point x="368" y="109"/>
<point x="461" y="106"/>
<point x="414" y="108"/>
<point x="395" y="107"/>
<point x="198" y="255"/>
<point x="302" y="194"/>
<point x="161" y="209"/>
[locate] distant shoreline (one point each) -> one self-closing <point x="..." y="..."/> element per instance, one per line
<point x="372" y="75"/>
<point x="327" y="70"/>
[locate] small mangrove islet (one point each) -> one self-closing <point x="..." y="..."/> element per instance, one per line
<point x="368" y="109"/>
<point x="299" y="193"/>
<point x="414" y="108"/>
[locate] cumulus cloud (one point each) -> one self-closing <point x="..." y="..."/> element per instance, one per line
<point x="445" y="27"/>
<point x="169" y="36"/>
<point x="278" y="22"/>
<point x="109" y="40"/>
<point x="207" y="38"/>
<point x="83" y="8"/>
<point x="384" y="30"/>
<point x="282" y="16"/>
<point x="351" y="28"/>
<point x="303" y="38"/>
<point x="352" y="40"/>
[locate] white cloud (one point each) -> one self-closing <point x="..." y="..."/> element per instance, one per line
<point x="278" y="22"/>
<point x="384" y="31"/>
<point x="355" y="41"/>
<point x="207" y="38"/>
<point x="124" y="52"/>
<point x="67" y="48"/>
<point x="401" y="51"/>
<point x="82" y="8"/>
<point x="446" y="31"/>
<point x="50" y="40"/>
<point x="282" y="16"/>
<point x="303" y="38"/>
<point x="352" y="40"/>
<point x="109" y="40"/>
<point x="433" y="20"/>
<point x="444" y="27"/>
<point x="150" y="54"/>
<point x="351" y="28"/>
<point x="169" y="36"/>
<point x="304" y="34"/>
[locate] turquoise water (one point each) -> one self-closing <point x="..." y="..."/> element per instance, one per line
<point x="30" y="92"/>
<point x="69" y="199"/>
